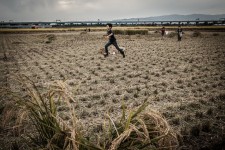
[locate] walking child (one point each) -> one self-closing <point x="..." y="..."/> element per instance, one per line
<point x="112" y="41"/>
<point x="179" y="33"/>
<point x="163" y="30"/>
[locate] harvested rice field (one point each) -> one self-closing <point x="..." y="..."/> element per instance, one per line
<point x="185" y="82"/>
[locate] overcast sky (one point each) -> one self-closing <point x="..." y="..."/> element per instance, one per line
<point x="75" y="10"/>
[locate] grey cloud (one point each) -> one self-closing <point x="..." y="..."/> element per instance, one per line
<point x="103" y="9"/>
<point x="20" y="5"/>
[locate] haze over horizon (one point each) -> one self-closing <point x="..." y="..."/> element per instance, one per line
<point x="92" y="10"/>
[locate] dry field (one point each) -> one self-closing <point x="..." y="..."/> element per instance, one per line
<point x="185" y="83"/>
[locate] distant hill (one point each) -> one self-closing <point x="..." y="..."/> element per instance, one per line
<point x="175" y="17"/>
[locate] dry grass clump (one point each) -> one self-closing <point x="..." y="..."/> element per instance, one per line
<point x="195" y="130"/>
<point x="196" y="34"/>
<point x="215" y="34"/>
<point x="172" y="34"/>
<point x="2" y="106"/>
<point x="139" y="130"/>
<point x="83" y="32"/>
<point x="131" y="32"/>
<point x="47" y="129"/>
<point x="51" y="38"/>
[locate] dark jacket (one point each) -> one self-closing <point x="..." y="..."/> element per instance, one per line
<point x="112" y="37"/>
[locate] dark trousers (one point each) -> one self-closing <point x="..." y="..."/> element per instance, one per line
<point x="179" y="37"/>
<point x="112" y="43"/>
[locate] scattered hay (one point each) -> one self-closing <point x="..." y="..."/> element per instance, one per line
<point x="5" y="58"/>
<point x="101" y="51"/>
<point x="156" y="31"/>
<point x="18" y="42"/>
<point x="215" y="34"/>
<point x="84" y="32"/>
<point x="172" y="34"/>
<point x="51" y="38"/>
<point x="196" y="34"/>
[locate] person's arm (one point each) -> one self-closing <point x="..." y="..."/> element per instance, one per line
<point x="110" y="35"/>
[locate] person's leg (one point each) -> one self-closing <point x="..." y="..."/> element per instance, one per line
<point x="119" y="49"/>
<point x="106" y="48"/>
<point x="178" y="37"/>
<point x="162" y="36"/>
